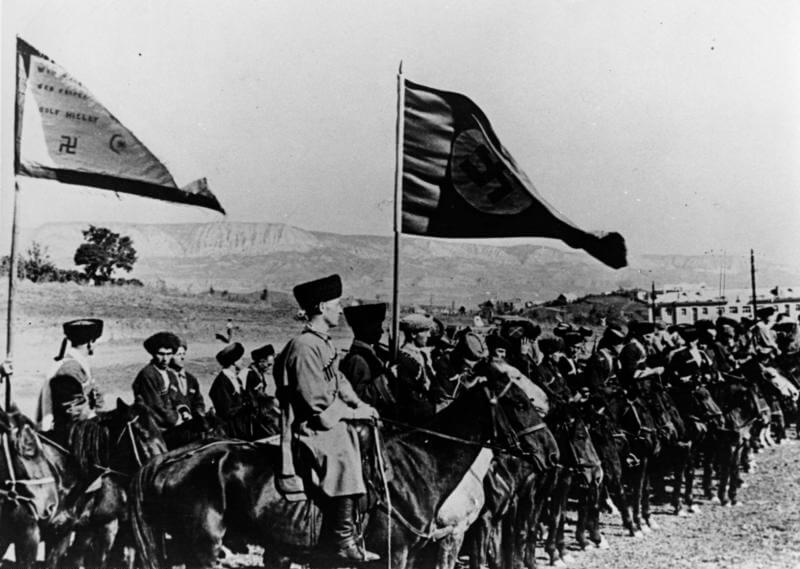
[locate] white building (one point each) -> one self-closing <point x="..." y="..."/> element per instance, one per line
<point x="679" y="306"/>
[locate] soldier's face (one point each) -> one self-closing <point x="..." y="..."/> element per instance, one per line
<point x="421" y="338"/>
<point x="266" y="364"/>
<point x="161" y="357"/>
<point x="331" y="311"/>
<point x="179" y="358"/>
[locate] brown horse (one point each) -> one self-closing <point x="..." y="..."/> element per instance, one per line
<point x="93" y="472"/>
<point x="29" y="493"/>
<point x="199" y="494"/>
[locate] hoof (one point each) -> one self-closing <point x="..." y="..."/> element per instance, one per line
<point x="568" y="558"/>
<point x="558" y="563"/>
<point x="723" y="503"/>
<point x="681" y="513"/>
<point x="646" y="529"/>
<point x="736" y="502"/>
<point x="637" y="534"/>
<point x="602" y="544"/>
<point x="653" y="525"/>
<point x="694" y="509"/>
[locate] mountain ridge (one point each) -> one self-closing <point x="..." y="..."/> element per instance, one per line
<point x="247" y="256"/>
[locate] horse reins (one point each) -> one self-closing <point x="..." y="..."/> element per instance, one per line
<point x="13" y="496"/>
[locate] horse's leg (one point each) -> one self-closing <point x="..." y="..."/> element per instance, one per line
<point x="594" y="512"/>
<point x="447" y="550"/>
<point x="204" y="540"/>
<point x="560" y="541"/>
<point x="558" y="501"/>
<point x="727" y="455"/>
<point x="635" y="477"/>
<point x="734" y="479"/>
<point x="689" y="479"/>
<point x="476" y="539"/>
<point x="646" y="496"/>
<point x="26" y="542"/>
<point x="616" y="492"/>
<point x="582" y="499"/>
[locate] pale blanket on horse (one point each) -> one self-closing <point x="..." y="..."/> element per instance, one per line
<point x="462" y="506"/>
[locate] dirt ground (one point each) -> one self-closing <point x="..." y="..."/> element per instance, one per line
<point x="761" y="532"/>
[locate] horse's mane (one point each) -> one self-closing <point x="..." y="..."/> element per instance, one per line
<point x="88" y="443"/>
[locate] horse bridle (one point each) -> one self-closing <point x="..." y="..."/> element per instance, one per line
<point x="498" y="414"/>
<point x="132" y="439"/>
<point x="9" y="491"/>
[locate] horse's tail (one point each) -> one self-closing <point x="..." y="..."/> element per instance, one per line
<point x="146" y="545"/>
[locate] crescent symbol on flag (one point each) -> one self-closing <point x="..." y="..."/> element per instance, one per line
<point x="117" y="143"/>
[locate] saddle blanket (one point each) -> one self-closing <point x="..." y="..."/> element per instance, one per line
<point x="465" y="502"/>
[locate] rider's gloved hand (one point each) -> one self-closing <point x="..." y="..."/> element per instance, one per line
<point x="6" y="369"/>
<point x="364" y="412"/>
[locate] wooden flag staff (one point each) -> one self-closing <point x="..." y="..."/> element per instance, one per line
<point x="398" y="212"/>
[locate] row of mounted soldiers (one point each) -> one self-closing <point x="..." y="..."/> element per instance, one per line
<point x="309" y="390"/>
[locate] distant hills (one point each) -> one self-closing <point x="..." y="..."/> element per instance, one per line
<point x="243" y="257"/>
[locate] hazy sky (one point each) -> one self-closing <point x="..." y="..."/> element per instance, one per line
<point x="675" y="123"/>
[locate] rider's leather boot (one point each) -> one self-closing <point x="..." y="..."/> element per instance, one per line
<point x="344" y="531"/>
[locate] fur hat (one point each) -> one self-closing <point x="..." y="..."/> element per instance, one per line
<point x="365" y="316"/>
<point x="311" y="293"/>
<point x="550" y="344"/>
<point x="262" y="353"/>
<point x="83" y="331"/>
<point x="161" y="340"/>
<point x="230" y="354"/>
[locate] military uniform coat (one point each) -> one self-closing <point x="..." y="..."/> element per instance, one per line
<point x="368" y="376"/>
<point x="257" y="382"/>
<point x="150" y="388"/>
<point x="69" y="384"/>
<point x="415" y="376"/>
<point x="186" y="393"/>
<point x="226" y="396"/>
<point x="321" y="399"/>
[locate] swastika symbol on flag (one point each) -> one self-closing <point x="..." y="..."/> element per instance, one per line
<point x="482" y="178"/>
<point x="68" y="144"/>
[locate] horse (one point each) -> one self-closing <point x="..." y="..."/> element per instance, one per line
<point x="641" y="444"/>
<point x="201" y="493"/>
<point x="94" y="469"/>
<point x="580" y="471"/>
<point x="516" y="490"/>
<point x="612" y="446"/>
<point x="29" y="493"/>
<point x="740" y="411"/>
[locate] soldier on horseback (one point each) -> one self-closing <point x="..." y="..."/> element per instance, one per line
<point x="322" y="404"/>
<point x="185" y="390"/>
<point x="152" y="384"/>
<point x="367" y="373"/>
<point x="69" y="393"/>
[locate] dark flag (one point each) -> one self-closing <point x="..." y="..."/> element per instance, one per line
<point x="63" y="133"/>
<point x="459" y="181"/>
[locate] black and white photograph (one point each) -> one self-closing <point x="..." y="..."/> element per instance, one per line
<point x="399" y="283"/>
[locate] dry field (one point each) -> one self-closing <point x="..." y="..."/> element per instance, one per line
<point x="131" y="314"/>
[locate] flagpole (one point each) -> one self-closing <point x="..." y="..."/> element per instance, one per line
<point x="398" y="212"/>
<point x="12" y="286"/>
<point x="753" y="282"/>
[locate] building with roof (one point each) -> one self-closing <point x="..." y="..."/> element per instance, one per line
<point x="688" y="305"/>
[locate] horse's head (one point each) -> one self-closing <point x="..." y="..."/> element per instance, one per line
<point x="28" y="478"/>
<point x="134" y="435"/>
<point x="513" y="415"/>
